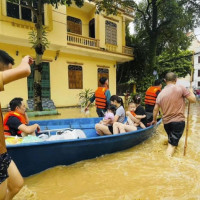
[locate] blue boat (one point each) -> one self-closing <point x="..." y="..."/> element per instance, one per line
<point x="32" y="158"/>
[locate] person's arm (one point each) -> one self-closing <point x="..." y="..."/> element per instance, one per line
<point x="29" y="129"/>
<point x="115" y="118"/>
<point x="23" y="70"/>
<point x="140" y="116"/>
<point x="26" y="118"/>
<point x="155" y="113"/>
<point x="107" y="121"/>
<point x="133" y="118"/>
<point x="90" y="101"/>
<point x="108" y="95"/>
<point x="191" y="98"/>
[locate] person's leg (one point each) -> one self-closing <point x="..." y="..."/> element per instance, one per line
<point x="130" y="122"/>
<point x="116" y="128"/>
<point x="15" y="181"/>
<point x="102" y="129"/>
<point x="100" y="112"/>
<point x="142" y="125"/>
<point x="26" y="134"/>
<point x="3" y="190"/>
<point x="170" y="150"/>
<point x="174" y="131"/>
<point x="129" y="128"/>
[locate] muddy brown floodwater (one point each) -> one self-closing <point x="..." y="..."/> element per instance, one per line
<point x="140" y="173"/>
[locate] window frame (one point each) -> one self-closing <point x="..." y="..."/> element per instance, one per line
<point x="198" y="73"/>
<point x="74" y="75"/>
<point x="20" y="12"/>
<point x="77" y="22"/>
<point x="100" y="74"/>
<point x="109" y="38"/>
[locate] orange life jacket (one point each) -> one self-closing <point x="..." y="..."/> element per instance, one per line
<point x="100" y="97"/>
<point x="6" y="117"/>
<point x="151" y="95"/>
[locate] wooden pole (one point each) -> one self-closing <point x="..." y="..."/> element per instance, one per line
<point x="188" y="112"/>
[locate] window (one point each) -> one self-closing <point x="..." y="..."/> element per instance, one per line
<point x="111" y="33"/>
<point x="198" y="83"/>
<point x="198" y="59"/>
<point x="102" y="72"/>
<point x="19" y="10"/>
<point x="75" y="77"/>
<point x="74" y="25"/>
<point x="92" y="28"/>
<point x="198" y="73"/>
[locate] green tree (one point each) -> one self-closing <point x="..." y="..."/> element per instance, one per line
<point x="163" y="24"/>
<point x="180" y="63"/>
<point x="160" y="40"/>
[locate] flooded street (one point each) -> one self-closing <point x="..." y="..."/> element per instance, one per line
<point x="140" y="173"/>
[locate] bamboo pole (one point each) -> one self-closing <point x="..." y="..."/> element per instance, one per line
<point x="188" y="112"/>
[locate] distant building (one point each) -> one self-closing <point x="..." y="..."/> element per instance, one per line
<point x="195" y="46"/>
<point x="84" y="46"/>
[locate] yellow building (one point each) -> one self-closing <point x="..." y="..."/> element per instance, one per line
<point x="83" y="47"/>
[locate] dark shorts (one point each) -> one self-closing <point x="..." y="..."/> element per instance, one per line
<point x="100" y="112"/>
<point x="5" y="160"/>
<point x="110" y="129"/>
<point x="174" y="131"/>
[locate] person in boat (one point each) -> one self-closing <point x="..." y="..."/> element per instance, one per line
<point x="119" y="116"/>
<point x="134" y="119"/>
<point x="11" y="180"/>
<point x="16" y="121"/>
<point x="150" y="98"/>
<point x="109" y="116"/>
<point x="101" y="97"/>
<point x="171" y="100"/>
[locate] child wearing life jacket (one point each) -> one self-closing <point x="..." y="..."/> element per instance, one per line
<point x="109" y="116"/>
<point x="131" y="112"/>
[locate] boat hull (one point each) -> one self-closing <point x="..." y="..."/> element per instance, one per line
<point x="32" y="158"/>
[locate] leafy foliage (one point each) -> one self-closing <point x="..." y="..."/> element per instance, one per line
<point x="180" y="63"/>
<point x="34" y="41"/>
<point x="84" y="97"/>
<point x="160" y="40"/>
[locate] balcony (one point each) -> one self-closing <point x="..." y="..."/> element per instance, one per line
<point x="92" y="43"/>
<point x="79" y="40"/>
<point x="127" y="50"/>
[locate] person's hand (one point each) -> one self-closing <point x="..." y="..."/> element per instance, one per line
<point x="26" y="59"/>
<point x="86" y="109"/>
<point x="31" y="61"/>
<point x="154" y="122"/>
<point x="38" y="128"/>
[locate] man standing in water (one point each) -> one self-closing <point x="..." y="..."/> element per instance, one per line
<point x="171" y="100"/>
<point x="101" y="97"/>
<point x="11" y="180"/>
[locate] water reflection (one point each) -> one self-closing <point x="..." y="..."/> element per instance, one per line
<point x="142" y="172"/>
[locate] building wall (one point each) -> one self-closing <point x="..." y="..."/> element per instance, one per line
<point x="60" y="92"/>
<point x="14" y="38"/>
<point x="195" y="46"/>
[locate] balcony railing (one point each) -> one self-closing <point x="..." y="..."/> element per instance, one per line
<point x="112" y="48"/>
<point x="127" y="50"/>
<point x="73" y="38"/>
